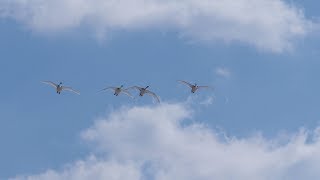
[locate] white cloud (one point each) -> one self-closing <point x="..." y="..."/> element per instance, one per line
<point x="90" y="169"/>
<point x="207" y="101"/>
<point x="223" y="72"/>
<point x="156" y="143"/>
<point x="194" y="99"/>
<point x="271" y="25"/>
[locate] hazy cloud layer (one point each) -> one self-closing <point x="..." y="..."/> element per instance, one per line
<point x="271" y="25"/>
<point x="156" y="143"/>
<point x="223" y="72"/>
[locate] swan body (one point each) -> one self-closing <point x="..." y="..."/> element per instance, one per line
<point x="194" y="87"/>
<point x="118" y="90"/>
<point x="59" y="87"/>
<point x="143" y="91"/>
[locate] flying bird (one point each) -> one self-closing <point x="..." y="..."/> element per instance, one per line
<point x="194" y="87"/>
<point x="118" y="90"/>
<point x="145" y="91"/>
<point x="59" y="87"/>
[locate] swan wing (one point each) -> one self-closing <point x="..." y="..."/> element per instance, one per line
<point x="50" y="83"/>
<point x="186" y="83"/>
<point x="135" y="87"/>
<point x="153" y="95"/>
<point x="124" y="91"/>
<point x="70" y="89"/>
<point x="113" y="88"/>
<point x="205" y="87"/>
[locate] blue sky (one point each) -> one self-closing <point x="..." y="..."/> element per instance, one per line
<point x="271" y="86"/>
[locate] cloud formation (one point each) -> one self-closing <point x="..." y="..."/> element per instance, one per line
<point x="156" y="143"/>
<point x="271" y="25"/>
<point x="223" y="72"/>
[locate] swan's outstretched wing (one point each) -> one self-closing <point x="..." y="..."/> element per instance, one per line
<point x="113" y="88"/>
<point x="50" y="83"/>
<point x="205" y="87"/>
<point x="153" y="95"/>
<point x="186" y="83"/>
<point x="135" y="87"/>
<point x="70" y="89"/>
<point x="124" y="91"/>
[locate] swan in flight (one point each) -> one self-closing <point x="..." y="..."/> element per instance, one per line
<point x="145" y="91"/>
<point x="59" y="87"/>
<point x="118" y="90"/>
<point x="194" y="87"/>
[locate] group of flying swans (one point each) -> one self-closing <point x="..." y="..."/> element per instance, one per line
<point x="119" y="90"/>
<point x="142" y="91"/>
<point x="59" y="87"/>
